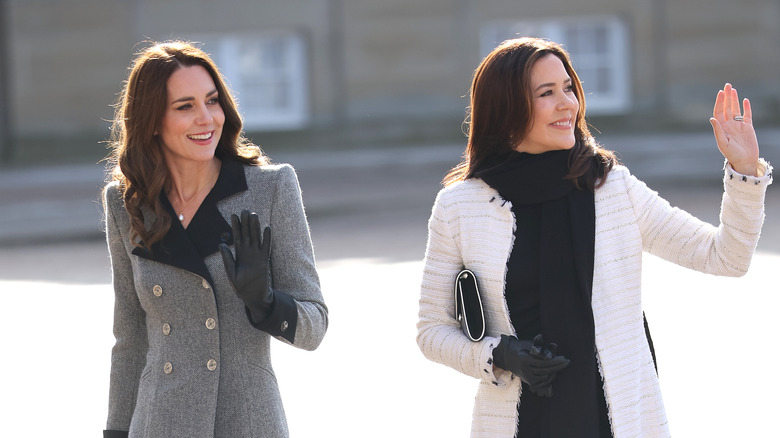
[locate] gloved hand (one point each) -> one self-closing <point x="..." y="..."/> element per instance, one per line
<point x="534" y="362"/>
<point x="250" y="271"/>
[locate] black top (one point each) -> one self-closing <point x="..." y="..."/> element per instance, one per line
<point x="548" y="287"/>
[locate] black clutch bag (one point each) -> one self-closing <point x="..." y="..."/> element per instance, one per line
<point x="468" y="305"/>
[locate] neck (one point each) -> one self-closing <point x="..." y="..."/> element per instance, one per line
<point x="186" y="183"/>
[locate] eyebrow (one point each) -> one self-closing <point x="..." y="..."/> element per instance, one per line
<point x="189" y="98"/>
<point x="551" y="84"/>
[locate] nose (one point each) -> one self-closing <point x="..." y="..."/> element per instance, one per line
<point x="204" y="116"/>
<point x="568" y="101"/>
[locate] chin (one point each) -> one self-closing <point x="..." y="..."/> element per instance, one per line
<point x="568" y="144"/>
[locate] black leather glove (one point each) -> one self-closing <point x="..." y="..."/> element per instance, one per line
<point x="534" y="362"/>
<point x="250" y="272"/>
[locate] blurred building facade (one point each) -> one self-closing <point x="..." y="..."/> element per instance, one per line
<point x="359" y="70"/>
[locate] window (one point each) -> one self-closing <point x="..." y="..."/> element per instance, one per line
<point x="267" y="73"/>
<point x="599" y="51"/>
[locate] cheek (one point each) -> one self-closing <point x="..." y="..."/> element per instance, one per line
<point x="170" y="124"/>
<point x="219" y="116"/>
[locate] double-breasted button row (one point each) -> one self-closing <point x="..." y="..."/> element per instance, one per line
<point x="157" y="289"/>
<point x="211" y="365"/>
<point x="211" y="324"/>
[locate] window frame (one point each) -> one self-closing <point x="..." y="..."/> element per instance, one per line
<point x="226" y="49"/>
<point x="615" y="58"/>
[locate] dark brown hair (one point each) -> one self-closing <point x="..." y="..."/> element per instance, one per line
<point x="137" y="157"/>
<point x="501" y="111"/>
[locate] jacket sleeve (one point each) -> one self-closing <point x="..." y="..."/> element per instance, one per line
<point x="128" y="355"/>
<point x="299" y="315"/>
<point x="439" y="334"/>
<point x="675" y="235"/>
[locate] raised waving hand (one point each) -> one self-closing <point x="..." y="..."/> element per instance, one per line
<point x="734" y="131"/>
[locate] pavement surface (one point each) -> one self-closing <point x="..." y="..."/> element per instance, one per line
<point x="713" y="340"/>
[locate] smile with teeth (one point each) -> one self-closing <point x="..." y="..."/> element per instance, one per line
<point x="563" y="123"/>
<point x="205" y="136"/>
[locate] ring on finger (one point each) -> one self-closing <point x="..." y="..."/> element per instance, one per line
<point x="738" y="118"/>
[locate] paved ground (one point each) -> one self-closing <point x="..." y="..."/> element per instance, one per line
<point x="367" y="213"/>
<point x="714" y="342"/>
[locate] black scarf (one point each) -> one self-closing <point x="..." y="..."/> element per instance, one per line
<point x="549" y="285"/>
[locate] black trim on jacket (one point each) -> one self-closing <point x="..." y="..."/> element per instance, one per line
<point x="187" y="248"/>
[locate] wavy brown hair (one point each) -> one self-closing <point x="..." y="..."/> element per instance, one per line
<point x="137" y="155"/>
<point x="501" y="110"/>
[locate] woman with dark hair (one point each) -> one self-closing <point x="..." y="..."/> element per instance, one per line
<point x="554" y="229"/>
<point x="199" y="287"/>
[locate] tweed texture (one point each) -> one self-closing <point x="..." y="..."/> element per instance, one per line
<point x="161" y="381"/>
<point x="472" y="227"/>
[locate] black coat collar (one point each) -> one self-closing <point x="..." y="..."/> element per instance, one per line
<point x="187" y="248"/>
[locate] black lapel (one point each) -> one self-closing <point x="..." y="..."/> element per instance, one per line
<point x="187" y="248"/>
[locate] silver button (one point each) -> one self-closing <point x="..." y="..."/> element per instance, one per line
<point x="168" y="367"/>
<point x="205" y="284"/>
<point x="166" y="329"/>
<point x="157" y="290"/>
<point x="210" y="323"/>
<point x="284" y="326"/>
<point x="211" y="364"/>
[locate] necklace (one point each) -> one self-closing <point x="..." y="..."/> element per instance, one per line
<point x="181" y="212"/>
<point x="209" y="186"/>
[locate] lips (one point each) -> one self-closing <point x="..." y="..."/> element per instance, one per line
<point x="562" y="123"/>
<point x="201" y="137"/>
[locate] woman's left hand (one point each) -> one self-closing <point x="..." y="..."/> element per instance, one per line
<point x="736" y="138"/>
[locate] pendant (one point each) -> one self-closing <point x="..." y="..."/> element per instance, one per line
<point x="181" y="217"/>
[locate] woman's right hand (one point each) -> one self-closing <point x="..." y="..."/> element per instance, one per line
<point x="534" y="362"/>
<point x="250" y="271"/>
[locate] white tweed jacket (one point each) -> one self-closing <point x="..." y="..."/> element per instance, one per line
<point x="472" y="227"/>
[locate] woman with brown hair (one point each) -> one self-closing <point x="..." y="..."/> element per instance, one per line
<point x="199" y="287"/>
<point x="554" y="229"/>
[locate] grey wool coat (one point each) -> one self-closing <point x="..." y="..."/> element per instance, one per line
<point x="188" y="362"/>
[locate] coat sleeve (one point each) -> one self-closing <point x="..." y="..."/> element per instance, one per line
<point x="128" y="355"/>
<point x="675" y="235"/>
<point x="299" y="315"/>
<point x="439" y="335"/>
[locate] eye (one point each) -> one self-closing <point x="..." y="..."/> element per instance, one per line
<point x="186" y="106"/>
<point x="546" y="93"/>
<point x="214" y="100"/>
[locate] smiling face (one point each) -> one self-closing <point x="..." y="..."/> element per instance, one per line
<point x="554" y="108"/>
<point x="192" y="124"/>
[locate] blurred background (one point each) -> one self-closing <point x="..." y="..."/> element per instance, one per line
<point x="366" y="99"/>
<point x="313" y="74"/>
